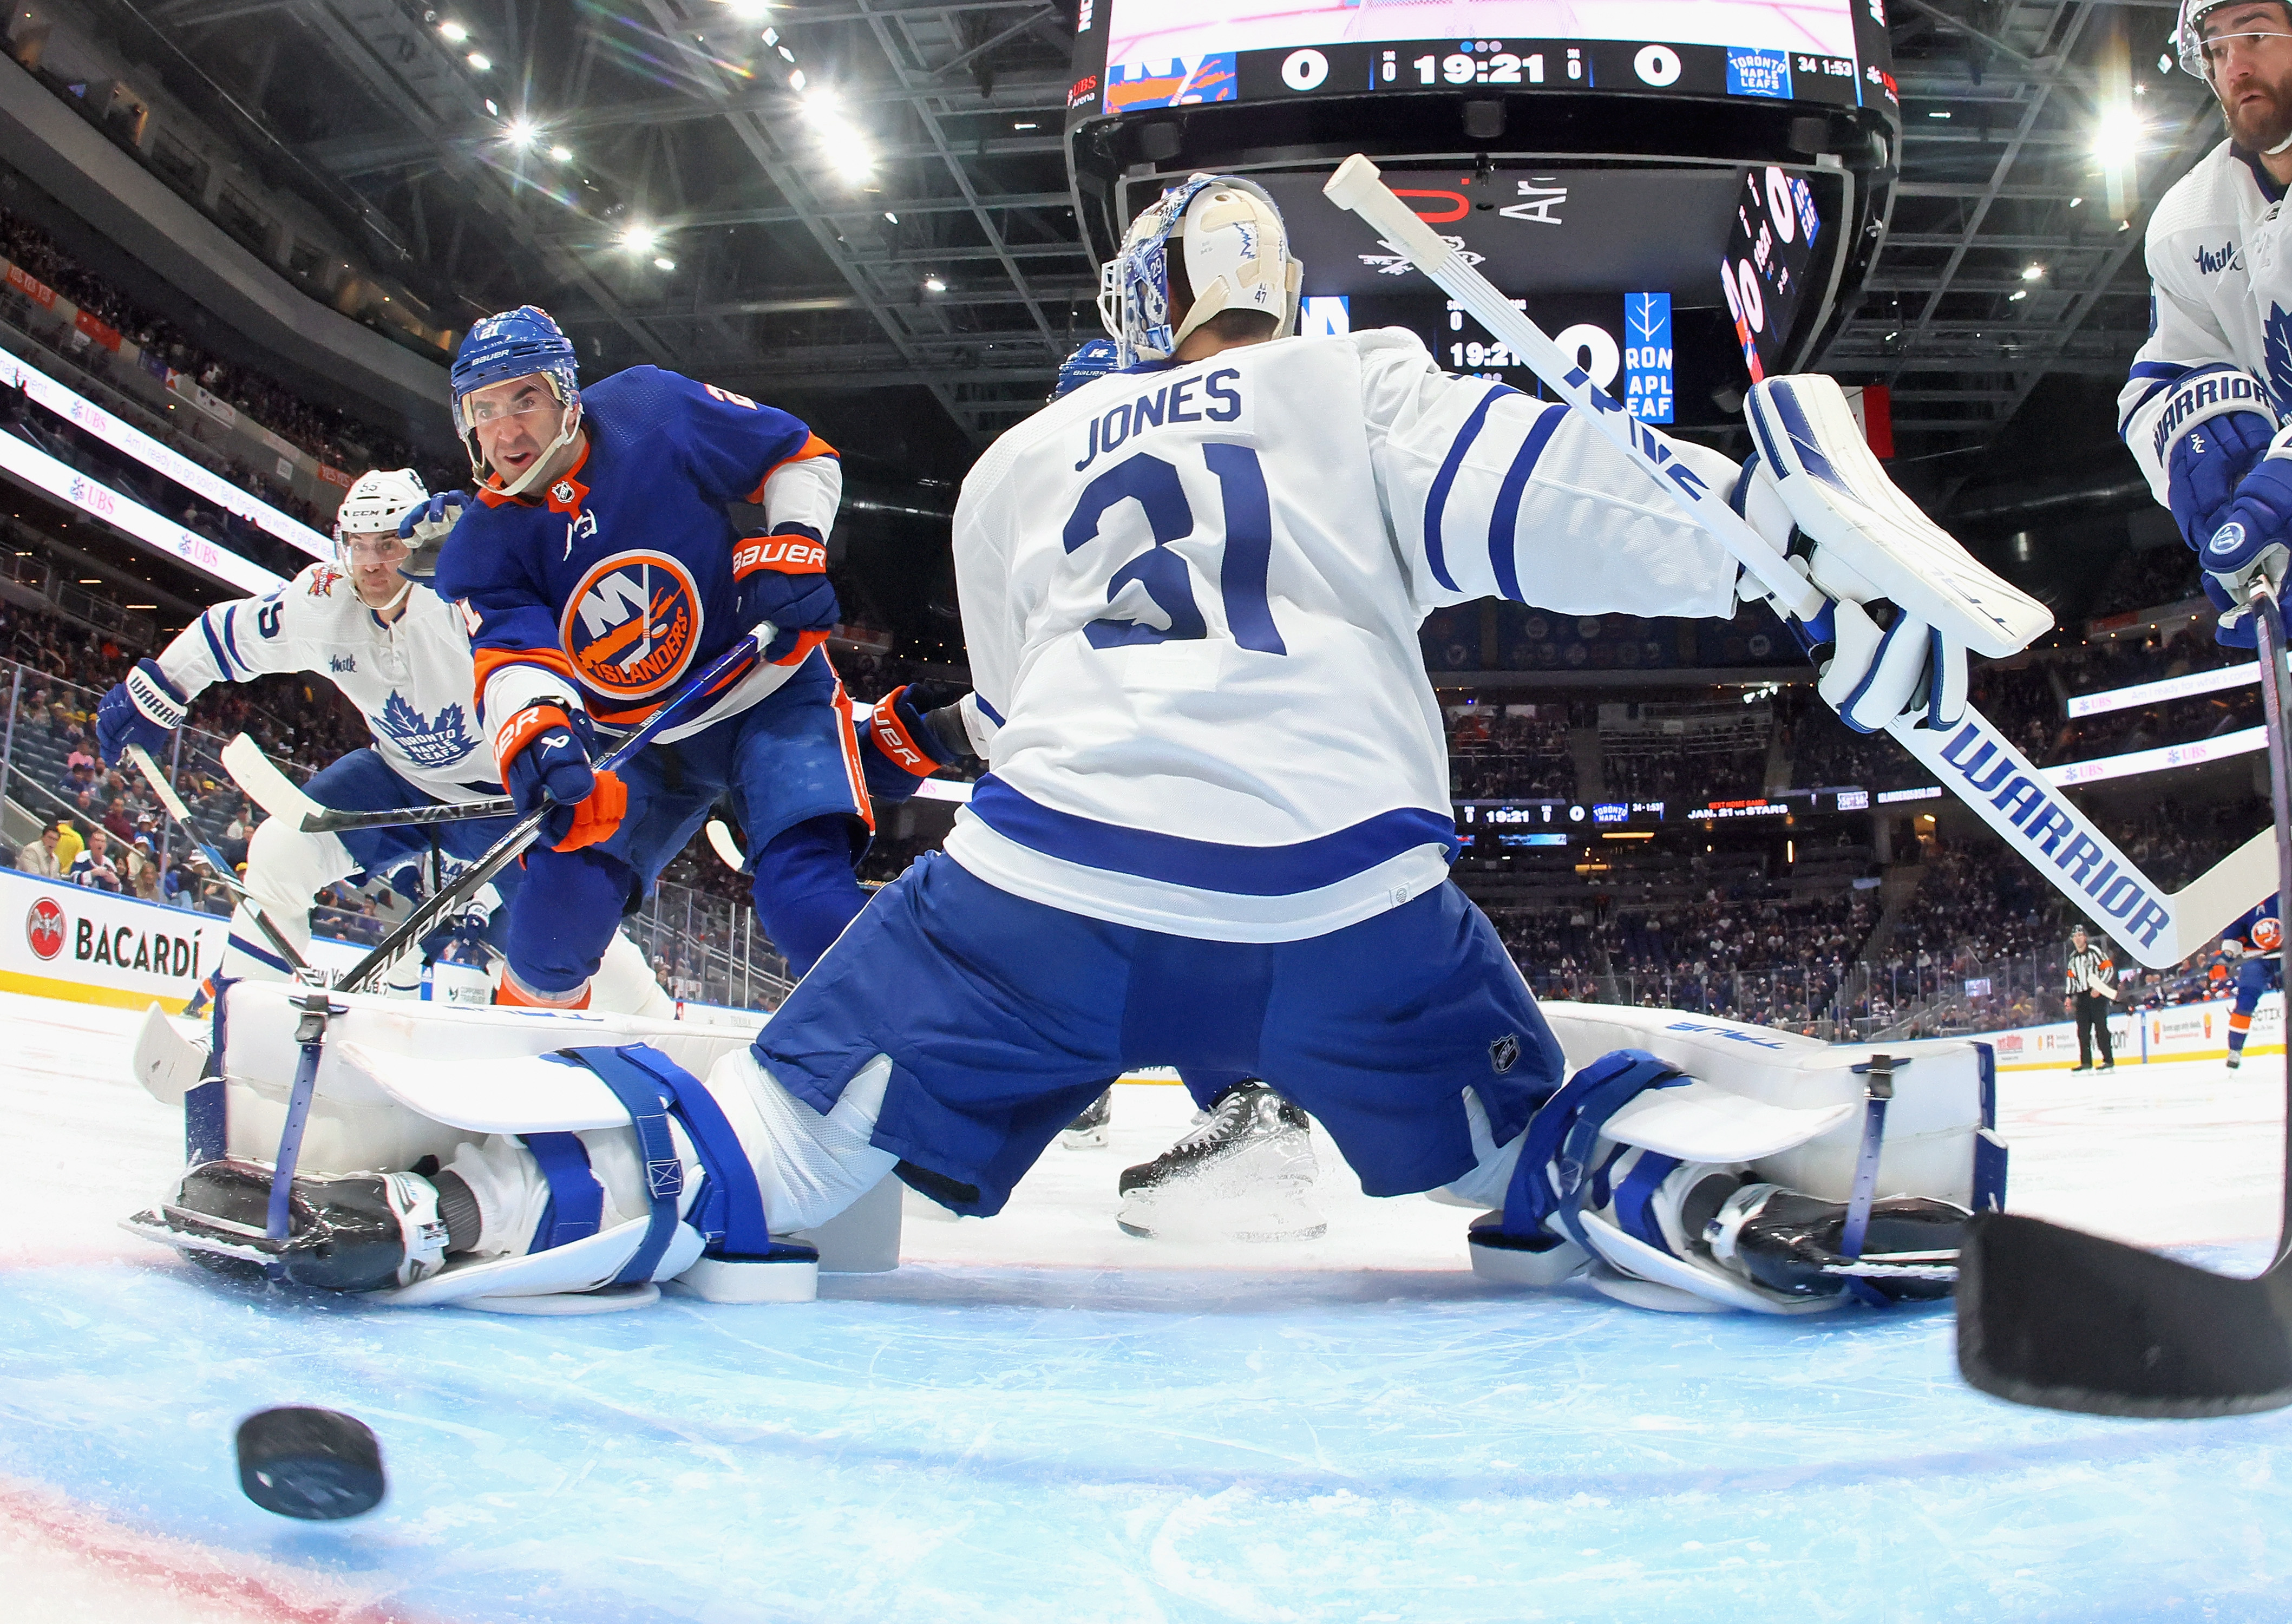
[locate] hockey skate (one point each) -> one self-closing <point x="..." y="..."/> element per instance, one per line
<point x="1087" y="1132"/>
<point x="1244" y="1172"/>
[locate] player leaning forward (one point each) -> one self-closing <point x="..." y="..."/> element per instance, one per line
<point x="1217" y="835"/>
<point x="2205" y="409"/>
<point x="602" y="565"/>
<point x="400" y="654"/>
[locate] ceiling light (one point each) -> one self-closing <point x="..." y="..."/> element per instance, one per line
<point x="796" y="79"/>
<point x="895" y="219"/>
<point x="2032" y="273"/>
<point x="639" y="238"/>
<point x="750" y="11"/>
<point x="560" y="154"/>
<point x="522" y="134"/>
<point x="491" y="111"/>
<point x="480" y="60"/>
<point x="663" y="262"/>
<point x="2117" y="137"/>
<point x="772" y="36"/>
<point x="2075" y="201"/>
<point x="932" y="284"/>
<point x="453" y="33"/>
<point x="2017" y="294"/>
<point x="1025" y="125"/>
<point x="1938" y="114"/>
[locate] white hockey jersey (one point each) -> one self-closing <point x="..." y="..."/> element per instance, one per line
<point x="2220" y="338"/>
<point x="1191" y="598"/>
<point x="412" y="679"/>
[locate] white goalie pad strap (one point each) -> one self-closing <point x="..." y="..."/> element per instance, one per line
<point x="1635" y="1258"/>
<point x="2161" y="420"/>
<point x="524" y="1094"/>
<point x="1700" y="1121"/>
<point x="1871" y="541"/>
<point x="582" y="1265"/>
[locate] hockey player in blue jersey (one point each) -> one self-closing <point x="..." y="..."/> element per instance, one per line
<point x="2256" y="943"/>
<point x="600" y="563"/>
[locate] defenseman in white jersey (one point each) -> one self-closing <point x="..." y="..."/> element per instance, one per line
<point x="396" y="651"/>
<point x="2210" y="392"/>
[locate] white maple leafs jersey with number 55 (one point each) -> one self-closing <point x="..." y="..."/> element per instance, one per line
<point x="413" y="680"/>
<point x="1191" y="594"/>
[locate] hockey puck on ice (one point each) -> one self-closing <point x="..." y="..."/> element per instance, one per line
<point x="318" y="1465"/>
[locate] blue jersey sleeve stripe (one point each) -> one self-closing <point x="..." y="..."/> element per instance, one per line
<point x="1437" y="498"/>
<point x="214" y="644"/>
<point x="2171" y="372"/>
<point x="1209" y="865"/>
<point x="1503" y="523"/>
<point x="230" y="636"/>
<point x="987" y="711"/>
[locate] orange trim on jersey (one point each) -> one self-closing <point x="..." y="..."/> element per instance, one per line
<point x="813" y="445"/>
<point x="892" y="736"/>
<point x="508" y="994"/>
<point x="636" y="713"/>
<point x="521" y="730"/>
<point x="490" y="660"/>
<point x="492" y="495"/>
<point x="849" y="738"/>
<point x="2238" y="1023"/>
<point x="785" y="554"/>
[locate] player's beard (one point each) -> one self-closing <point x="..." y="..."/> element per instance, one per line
<point x="2258" y="126"/>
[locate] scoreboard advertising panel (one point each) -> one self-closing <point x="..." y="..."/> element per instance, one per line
<point x="1137" y="54"/>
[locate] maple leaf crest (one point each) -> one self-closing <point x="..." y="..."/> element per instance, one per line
<point x="2278" y="335"/>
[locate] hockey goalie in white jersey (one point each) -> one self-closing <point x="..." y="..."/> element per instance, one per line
<point x="400" y="654"/>
<point x="1216" y="835"/>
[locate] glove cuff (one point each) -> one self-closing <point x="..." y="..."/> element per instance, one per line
<point x="522" y="729"/>
<point x="793" y="550"/>
<point x="905" y="734"/>
<point x="155" y="696"/>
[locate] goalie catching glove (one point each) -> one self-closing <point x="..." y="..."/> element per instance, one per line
<point x="545" y="761"/>
<point x="1906" y="602"/>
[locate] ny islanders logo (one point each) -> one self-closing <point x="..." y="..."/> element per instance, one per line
<point x="632" y="625"/>
<point x="2267" y="934"/>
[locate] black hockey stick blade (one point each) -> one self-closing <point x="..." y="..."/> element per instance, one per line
<point x="332" y="820"/>
<point x="2058" y="1318"/>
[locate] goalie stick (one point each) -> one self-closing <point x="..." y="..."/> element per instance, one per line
<point x="1975" y="760"/>
<point x="2064" y="1320"/>
<point x="718" y="673"/>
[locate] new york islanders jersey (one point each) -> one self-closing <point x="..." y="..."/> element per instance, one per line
<point x="2259" y="931"/>
<point x="411" y="678"/>
<point x="2220" y="322"/>
<point x="622" y="575"/>
<point x="1191" y="598"/>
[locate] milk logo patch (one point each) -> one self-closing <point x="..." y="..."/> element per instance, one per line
<point x="43" y="928"/>
<point x="632" y="624"/>
<point x="426" y="741"/>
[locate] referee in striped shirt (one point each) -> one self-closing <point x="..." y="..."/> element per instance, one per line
<point x="2092" y="988"/>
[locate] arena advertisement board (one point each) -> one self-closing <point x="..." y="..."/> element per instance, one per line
<point x="1137" y="54"/>
<point x="2183" y="1031"/>
<point x="59" y="940"/>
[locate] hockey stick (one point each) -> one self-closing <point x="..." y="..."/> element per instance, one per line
<point x="2057" y="1318"/>
<point x="1975" y="760"/>
<point x="727" y="849"/>
<point x="213" y="860"/>
<point x="422" y="920"/>
<point x="282" y="797"/>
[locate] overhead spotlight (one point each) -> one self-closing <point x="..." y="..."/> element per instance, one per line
<point x="749" y="10"/>
<point x="895" y="219"/>
<point x="2117" y="137"/>
<point x="480" y="60"/>
<point x="934" y="284"/>
<point x="661" y="261"/>
<point x="2018" y="294"/>
<point x="491" y="111"/>
<point x="639" y="238"/>
<point x="452" y="33"/>
<point x="521" y="134"/>
<point x="2033" y="273"/>
<point x="1939" y="113"/>
<point x="2074" y="202"/>
<point x="1024" y="125"/>
<point x="772" y="36"/>
<point x="559" y="154"/>
<point x="796" y="79"/>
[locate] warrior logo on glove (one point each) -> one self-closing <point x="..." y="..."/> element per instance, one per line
<point x="632" y="625"/>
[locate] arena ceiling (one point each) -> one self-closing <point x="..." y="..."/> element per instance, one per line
<point x="902" y="221"/>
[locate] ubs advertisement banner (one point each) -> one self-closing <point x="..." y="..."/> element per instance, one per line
<point x="71" y="941"/>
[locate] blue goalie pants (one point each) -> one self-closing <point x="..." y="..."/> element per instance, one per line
<point x="790" y="765"/>
<point x="1003" y="1018"/>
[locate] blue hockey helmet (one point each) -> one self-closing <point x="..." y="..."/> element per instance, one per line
<point x="1095" y="358"/>
<point x="515" y="344"/>
<point x="1236" y="257"/>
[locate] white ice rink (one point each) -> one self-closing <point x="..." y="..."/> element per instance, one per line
<point x="1038" y="1418"/>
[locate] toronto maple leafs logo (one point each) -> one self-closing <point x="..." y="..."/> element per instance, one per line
<point x="425" y="742"/>
<point x="2279" y="355"/>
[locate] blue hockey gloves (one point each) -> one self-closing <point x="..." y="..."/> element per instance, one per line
<point x="2234" y="629"/>
<point x="2207" y="464"/>
<point x="145" y="709"/>
<point x="424" y="528"/>
<point x="783" y="578"/>
<point x="545" y="757"/>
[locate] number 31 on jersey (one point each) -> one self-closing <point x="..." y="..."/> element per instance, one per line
<point x="1151" y="481"/>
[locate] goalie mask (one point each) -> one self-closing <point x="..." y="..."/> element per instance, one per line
<point x="1236" y="257"/>
<point x="371" y="508"/>
<point x="515" y="344"/>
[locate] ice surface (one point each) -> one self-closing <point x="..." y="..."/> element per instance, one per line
<point x="1039" y="1417"/>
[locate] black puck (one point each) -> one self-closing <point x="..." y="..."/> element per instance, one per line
<point x="318" y="1465"/>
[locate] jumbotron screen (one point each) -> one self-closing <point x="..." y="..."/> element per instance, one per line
<point x="1177" y="52"/>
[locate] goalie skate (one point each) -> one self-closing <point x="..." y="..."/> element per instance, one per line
<point x="1244" y="1172"/>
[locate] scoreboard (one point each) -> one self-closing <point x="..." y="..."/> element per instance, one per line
<point x="1683" y="191"/>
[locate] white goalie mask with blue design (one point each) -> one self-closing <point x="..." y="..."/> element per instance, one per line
<point x="1236" y="255"/>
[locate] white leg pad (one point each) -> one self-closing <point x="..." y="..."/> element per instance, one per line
<point x="285" y="869"/>
<point x="624" y="984"/>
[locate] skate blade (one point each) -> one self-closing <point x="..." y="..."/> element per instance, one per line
<point x="1087" y="1139"/>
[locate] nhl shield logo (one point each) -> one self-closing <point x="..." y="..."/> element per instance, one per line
<point x="1504" y="1052"/>
<point x="43" y="928"/>
<point x="632" y="624"/>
